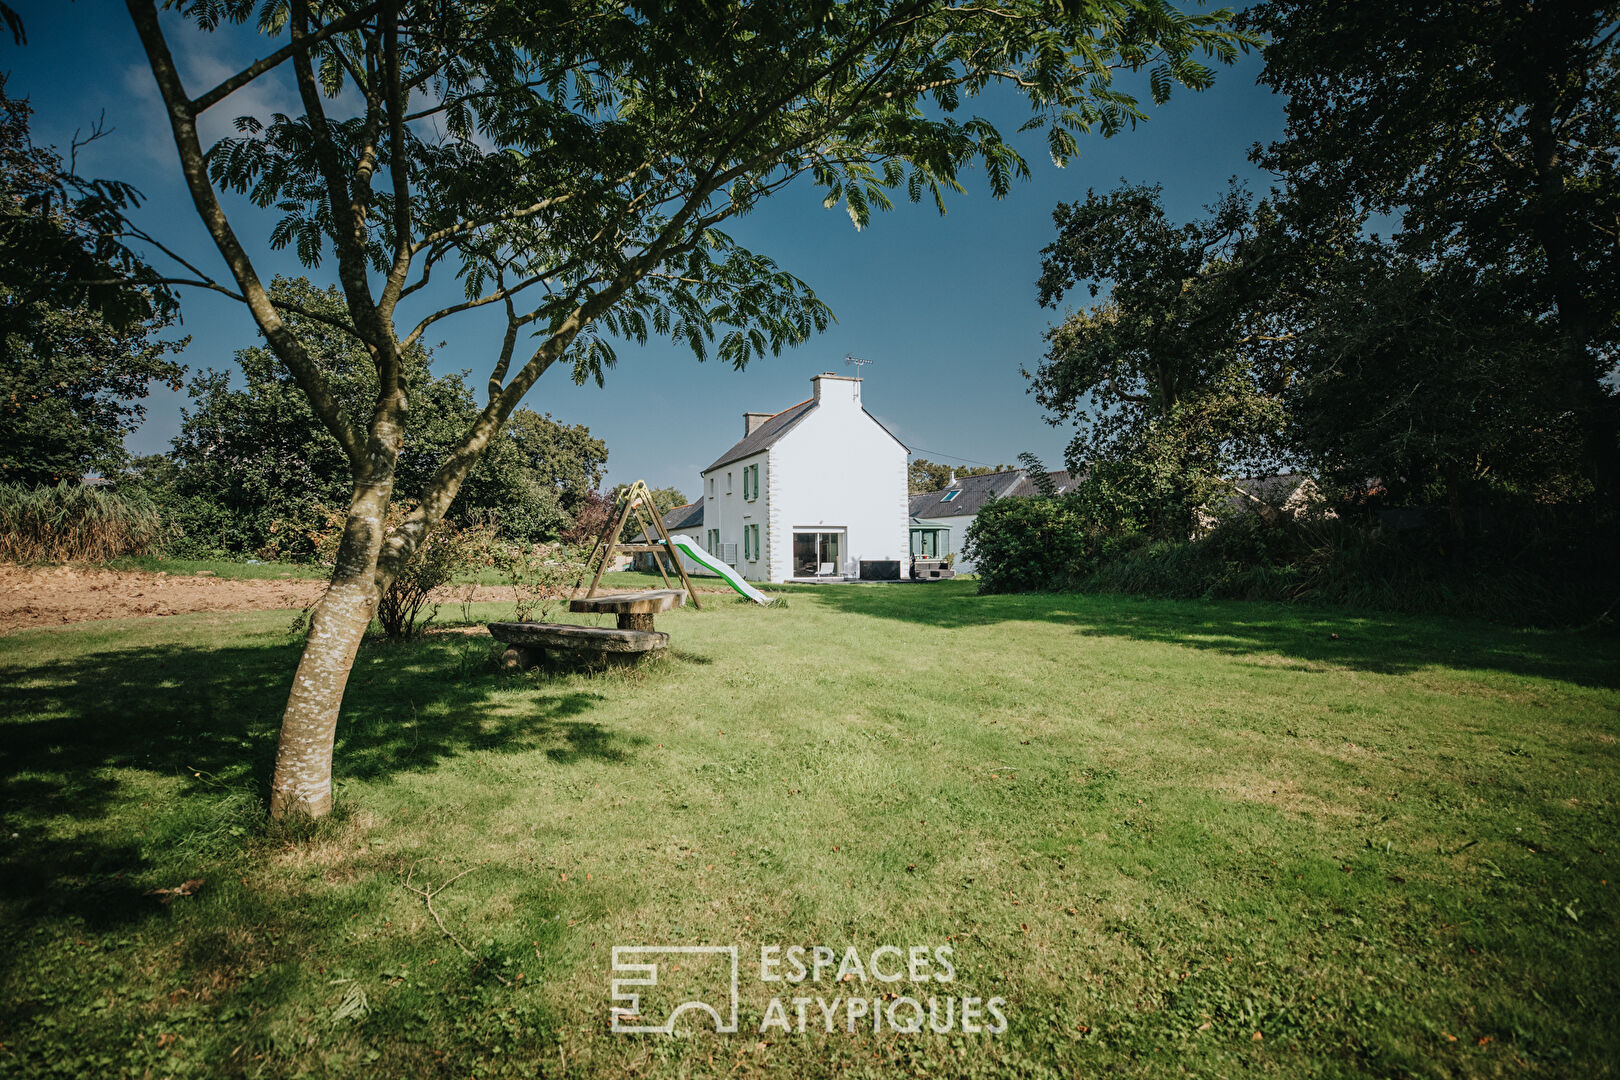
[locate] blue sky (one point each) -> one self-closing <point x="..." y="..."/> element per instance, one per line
<point x="944" y="307"/>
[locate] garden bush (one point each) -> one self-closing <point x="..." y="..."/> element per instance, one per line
<point x="1028" y="545"/>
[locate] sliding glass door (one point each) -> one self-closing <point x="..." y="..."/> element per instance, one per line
<point x="818" y="554"/>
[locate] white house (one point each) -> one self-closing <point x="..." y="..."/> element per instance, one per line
<point x="814" y="492"/>
<point x="939" y="520"/>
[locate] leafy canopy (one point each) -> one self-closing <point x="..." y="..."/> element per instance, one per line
<point x="1167" y="378"/>
<point x="77" y="358"/>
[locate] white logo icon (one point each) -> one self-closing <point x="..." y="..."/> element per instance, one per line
<point x="626" y="1008"/>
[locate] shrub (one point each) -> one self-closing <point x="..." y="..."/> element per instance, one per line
<point x="76" y="522"/>
<point x="446" y="552"/>
<point x="540" y="576"/>
<point x="1028" y="544"/>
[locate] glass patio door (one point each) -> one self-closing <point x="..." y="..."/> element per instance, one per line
<point x="817" y="554"/>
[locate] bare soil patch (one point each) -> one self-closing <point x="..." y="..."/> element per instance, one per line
<point x="33" y="596"/>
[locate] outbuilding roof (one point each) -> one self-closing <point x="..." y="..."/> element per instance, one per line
<point x="677" y="519"/>
<point x="966" y="495"/>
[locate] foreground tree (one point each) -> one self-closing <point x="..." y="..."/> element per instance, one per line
<point x="1492" y="129"/>
<point x="571" y="163"/>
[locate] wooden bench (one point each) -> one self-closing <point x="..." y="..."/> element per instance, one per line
<point x="635" y="609"/>
<point x="528" y="641"/>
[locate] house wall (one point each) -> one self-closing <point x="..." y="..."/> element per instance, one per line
<point x="838" y="469"/>
<point x="729" y="512"/>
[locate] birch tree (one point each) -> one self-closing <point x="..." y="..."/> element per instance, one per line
<point x="570" y="165"/>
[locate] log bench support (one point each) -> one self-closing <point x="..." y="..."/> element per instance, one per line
<point x="527" y="643"/>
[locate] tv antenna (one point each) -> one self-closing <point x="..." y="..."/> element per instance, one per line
<point x="857" y="361"/>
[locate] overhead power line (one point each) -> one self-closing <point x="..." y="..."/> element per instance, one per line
<point x="953" y="457"/>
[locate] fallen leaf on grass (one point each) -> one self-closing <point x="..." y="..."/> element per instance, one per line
<point x="185" y="888"/>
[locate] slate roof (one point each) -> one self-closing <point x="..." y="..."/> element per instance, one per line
<point x="677" y="518"/>
<point x="689" y="516"/>
<point x="974" y="491"/>
<point x="766" y="435"/>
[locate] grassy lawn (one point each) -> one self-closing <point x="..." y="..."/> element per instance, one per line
<point x="234" y="569"/>
<point x="237" y="569"/>
<point x="1177" y="838"/>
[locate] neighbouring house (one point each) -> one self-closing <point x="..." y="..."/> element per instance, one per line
<point x="816" y="492"/>
<point x="684" y="521"/>
<point x="1274" y="498"/>
<point x="940" y="519"/>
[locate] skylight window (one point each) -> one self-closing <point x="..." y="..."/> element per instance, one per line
<point x="949" y="495"/>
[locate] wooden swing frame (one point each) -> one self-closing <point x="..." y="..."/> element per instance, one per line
<point x="637" y="500"/>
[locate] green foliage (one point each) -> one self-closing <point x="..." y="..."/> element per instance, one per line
<point x="254" y="471"/>
<point x="64" y="235"/>
<point x="1365" y="569"/>
<point x="540" y="576"/>
<point x="1026" y="544"/>
<point x="1163" y="379"/>
<point x="447" y="552"/>
<point x="73" y="522"/>
<point x="76" y="360"/>
<point x="1428" y="384"/>
<point x="1492" y="131"/>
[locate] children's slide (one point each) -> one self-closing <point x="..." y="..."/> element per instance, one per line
<point x="732" y="578"/>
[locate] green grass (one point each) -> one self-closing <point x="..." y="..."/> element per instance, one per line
<point x="234" y="569"/>
<point x="239" y="570"/>
<point x="1156" y="828"/>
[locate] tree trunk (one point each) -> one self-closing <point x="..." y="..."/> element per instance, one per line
<point x="1594" y="407"/>
<point x="302" y="783"/>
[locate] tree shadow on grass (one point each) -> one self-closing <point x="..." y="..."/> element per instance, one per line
<point x="74" y="730"/>
<point x="1378" y="643"/>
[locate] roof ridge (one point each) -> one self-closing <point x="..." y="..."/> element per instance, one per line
<point x="795" y="405"/>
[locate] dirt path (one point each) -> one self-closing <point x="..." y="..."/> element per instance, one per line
<point x="54" y="595"/>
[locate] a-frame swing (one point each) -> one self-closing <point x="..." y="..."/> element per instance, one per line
<point x="636" y="500"/>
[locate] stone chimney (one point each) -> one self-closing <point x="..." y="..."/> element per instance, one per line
<point x="836" y="390"/>
<point x="752" y="421"/>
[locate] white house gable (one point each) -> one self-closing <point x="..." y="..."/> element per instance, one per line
<point x="816" y="490"/>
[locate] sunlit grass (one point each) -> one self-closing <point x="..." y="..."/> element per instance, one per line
<point x="1235" y="839"/>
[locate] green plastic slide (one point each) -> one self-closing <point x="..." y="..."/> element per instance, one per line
<point x="732" y="578"/>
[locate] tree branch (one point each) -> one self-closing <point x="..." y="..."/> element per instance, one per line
<point x="259" y="67"/>
<point x="183" y="126"/>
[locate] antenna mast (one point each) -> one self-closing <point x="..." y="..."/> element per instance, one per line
<point x="857" y="361"/>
